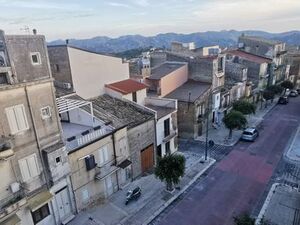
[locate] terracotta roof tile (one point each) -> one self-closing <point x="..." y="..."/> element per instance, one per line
<point x="126" y="86"/>
<point x="249" y="56"/>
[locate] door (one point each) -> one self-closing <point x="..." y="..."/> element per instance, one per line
<point x="147" y="158"/>
<point x="108" y="186"/>
<point x="63" y="203"/>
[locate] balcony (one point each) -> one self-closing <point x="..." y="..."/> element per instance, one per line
<point x="172" y="134"/>
<point x="5" y="149"/>
<point x="12" y="203"/>
<point x="105" y="170"/>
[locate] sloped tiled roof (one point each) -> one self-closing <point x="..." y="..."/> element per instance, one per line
<point x="126" y="86"/>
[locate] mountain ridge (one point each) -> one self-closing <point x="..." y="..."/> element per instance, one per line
<point x="224" y="38"/>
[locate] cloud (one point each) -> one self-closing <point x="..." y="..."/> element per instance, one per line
<point x="142" y="3"/>
<point x="118" y="4"/>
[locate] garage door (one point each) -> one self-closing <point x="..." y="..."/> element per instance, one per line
<point x="147" y="158"/>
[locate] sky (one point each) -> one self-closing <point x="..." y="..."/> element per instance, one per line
<point x="61" y="19"/>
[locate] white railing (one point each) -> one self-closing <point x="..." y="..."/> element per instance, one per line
<point x="81" y="140"/>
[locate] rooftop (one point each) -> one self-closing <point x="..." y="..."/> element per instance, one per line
<point x="120" y="112"/>
<point x="126" y="86"/>
<point x="161" y="111"/>
<point x="195" y="88"/>
<point x="165" y="69"/>
<point x="261" y="39"/>
<point x="250" y="57"/>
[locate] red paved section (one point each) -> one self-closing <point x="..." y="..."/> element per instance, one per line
<point x="237" y="183"/>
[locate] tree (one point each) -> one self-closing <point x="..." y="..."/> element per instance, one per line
<point x="287" y="85"/>
<point x="244" y="107"/>
<point x="234" y="120"/>
<point x="244" y="219"/>
<point x="169" y="169"/>
<point x="268" y="95"/>
<point x="276" y="89"/>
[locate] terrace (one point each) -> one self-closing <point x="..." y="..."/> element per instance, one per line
<point x="79" y="125"/>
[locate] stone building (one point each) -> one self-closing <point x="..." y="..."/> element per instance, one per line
<point x="140" y="123"/>
<point x="272" y="49"/>
<point x="293" y="59"/>
<point x="35" y="186"/>
<point x="98" y="152"/>
<point x="193" y="102"/>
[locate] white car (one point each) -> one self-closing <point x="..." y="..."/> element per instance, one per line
<point x="249" y="134"/>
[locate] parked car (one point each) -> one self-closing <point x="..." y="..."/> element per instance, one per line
<point x="298" y="91"/>
<point x="283" y="100"/>
<point x="249" y="134"/>
<point x="293" y="93"/>
<point x="133" y="194"/>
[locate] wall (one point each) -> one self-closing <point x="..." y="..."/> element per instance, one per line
<point x="60" y="66"/>
<point x="139" y="138"/>
<point x="19" y="48"/>
<point x="85" y="180"/>
<point x="173" y="80"/>
<point x="91" y="71"/>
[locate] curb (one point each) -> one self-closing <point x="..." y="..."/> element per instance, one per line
<point x="287" y="152"/>
<point x="266" y="203"/>
<point x="166" y="204"/>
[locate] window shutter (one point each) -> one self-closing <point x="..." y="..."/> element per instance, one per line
<point x="105" y="153"/>
<point x="24" y="169"/>
<point x="11" y="120"/>
<point x="33" y="166"/>
<point x="101" y="156"/>
<point x="21" y="117"/>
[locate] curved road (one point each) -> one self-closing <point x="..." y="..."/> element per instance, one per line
<point x="236" y="184"/>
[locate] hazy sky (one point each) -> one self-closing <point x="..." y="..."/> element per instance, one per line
<point x="89" y="18"/>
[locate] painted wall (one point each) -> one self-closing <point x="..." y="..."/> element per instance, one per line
<point x="91" y="71"/>
<point x="173" y="80"/>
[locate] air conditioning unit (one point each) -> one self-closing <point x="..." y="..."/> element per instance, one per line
<point x="67" y="85"/>
<point x="15" y="187"/>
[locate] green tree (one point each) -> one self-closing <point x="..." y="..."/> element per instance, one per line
<point x="244" y="107"/>
<point x="276" y="89"/>
<point x="169" y="169"/>
<point x="234" y="120"/>
<point x="287" y="85"/>
<point x="268" y="95"/>
<point x="244" y="219"/>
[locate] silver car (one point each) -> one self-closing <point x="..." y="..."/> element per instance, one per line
<point x="249" y="134"/>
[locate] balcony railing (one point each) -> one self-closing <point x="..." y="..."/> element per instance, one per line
<point x="12" y="203"/>
<point x="105" y="170"/>
<point x="172" y="134"/>
<point x="85" y="137"/>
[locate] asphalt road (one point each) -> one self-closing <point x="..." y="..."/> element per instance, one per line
<point x="237" y="183"/>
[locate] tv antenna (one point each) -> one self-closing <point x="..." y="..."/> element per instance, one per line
<point x="25" y="29"/>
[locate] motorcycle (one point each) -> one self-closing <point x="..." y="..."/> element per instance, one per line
<point x="133" y="194"/>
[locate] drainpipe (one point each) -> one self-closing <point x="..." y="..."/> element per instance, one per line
<point x="115" y="156"/>
<point x="39" y="146"/>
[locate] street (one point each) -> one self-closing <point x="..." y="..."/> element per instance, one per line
<point x="238" y="182"/>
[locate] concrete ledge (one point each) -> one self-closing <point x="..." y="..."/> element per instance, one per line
<point x="266" y="203"/>
<point x="166" y="204"/>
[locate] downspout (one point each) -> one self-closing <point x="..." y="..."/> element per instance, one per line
<point x="39" y="146"/>
<point x="115" y="156"/>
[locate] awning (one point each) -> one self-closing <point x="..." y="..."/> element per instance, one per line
<point x="124" y="164"/>
<point x="39" y="200"/>
<point x="13" y="220"/>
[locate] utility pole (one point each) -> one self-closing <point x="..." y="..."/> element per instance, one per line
<point x="207" y="119"/>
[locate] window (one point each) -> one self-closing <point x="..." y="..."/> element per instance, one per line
<point x="41" y="213"/>
<point x="103" y="155"/>
<point x="167" y="127"/>
<point x="134" y="97"/>
<point x="85" y="195"/>
<point x="35" y="58"/>
<point x="46" y="112"/>
<point x="168" y="150"/>
<point x="159" y="151"/>
<point x="58" y="160"/>
<point x="29" y="167"/>
<point x="16" y="118"/>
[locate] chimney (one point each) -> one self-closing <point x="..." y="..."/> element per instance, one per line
<point x="34" y="31"/>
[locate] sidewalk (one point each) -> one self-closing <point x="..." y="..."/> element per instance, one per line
<point x="154" y="198"/>
<point x="293" y="152"/>
<point x="220" y="135"/>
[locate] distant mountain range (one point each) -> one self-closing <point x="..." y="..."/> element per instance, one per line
<point x="224" y="38"/>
